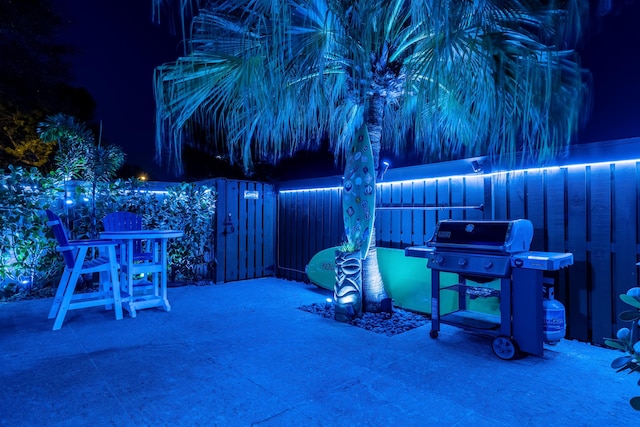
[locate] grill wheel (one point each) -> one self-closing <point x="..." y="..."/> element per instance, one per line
<point x="504" y="347"/>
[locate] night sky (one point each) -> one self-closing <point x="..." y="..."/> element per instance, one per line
<point x="118" y="47"/>
<point x="612" y="54"/>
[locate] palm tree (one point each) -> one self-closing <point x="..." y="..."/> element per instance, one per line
<point x="78" y="156"/>
<point x="74" y="140"/>
<point x="445" y="77"/>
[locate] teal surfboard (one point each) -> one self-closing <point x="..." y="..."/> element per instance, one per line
<point x="406" y="279"/>
<point x="358" y="192"/>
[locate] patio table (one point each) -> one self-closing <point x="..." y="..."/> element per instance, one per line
<point x="156" y="265"/>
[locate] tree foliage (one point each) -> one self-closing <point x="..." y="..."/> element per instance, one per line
<point x="452" y="78"/>
<point x="78" y="156"/>
<point x="435" y="78"/>
<point x="34" y="81"/>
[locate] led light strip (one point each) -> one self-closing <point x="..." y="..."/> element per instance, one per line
<point x="468" y="176"/>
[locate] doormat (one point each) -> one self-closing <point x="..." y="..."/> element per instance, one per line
<point x="381" y="323"/>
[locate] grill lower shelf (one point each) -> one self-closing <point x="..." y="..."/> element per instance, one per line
<point x="472" y="319"/>
<point x="473" y="291"/>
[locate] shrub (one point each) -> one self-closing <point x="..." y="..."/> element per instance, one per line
<point x="187" y="207"/>
<point x="28" y="257"/>
<point x="627" y="340"/>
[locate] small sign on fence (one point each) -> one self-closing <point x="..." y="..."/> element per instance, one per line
<point x="251" y="194"/>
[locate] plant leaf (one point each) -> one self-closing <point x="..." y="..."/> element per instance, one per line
<point x="632" y="301"/>
<point x="614" y="344"/>
<point x="629" y="315"/>
<point x="635" y="403"/>
<point x="620" y="362"/>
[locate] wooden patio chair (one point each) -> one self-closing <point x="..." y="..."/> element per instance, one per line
<point x="77" y="263"/>
<point x="142" y="261"/>
<point x="128" y="221"/>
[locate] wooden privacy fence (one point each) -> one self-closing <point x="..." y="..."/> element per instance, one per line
<point x="588" y="209"/>
<point x="245" y="230"/>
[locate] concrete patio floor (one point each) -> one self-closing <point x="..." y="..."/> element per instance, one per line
<point x="242" y="354"/>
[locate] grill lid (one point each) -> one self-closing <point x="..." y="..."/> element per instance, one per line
<point x="505" y="237"/>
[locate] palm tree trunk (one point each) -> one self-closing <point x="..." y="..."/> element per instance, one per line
<point x="374" y="296"/>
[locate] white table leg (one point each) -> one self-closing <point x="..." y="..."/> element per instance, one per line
<point x="163" y="278"/>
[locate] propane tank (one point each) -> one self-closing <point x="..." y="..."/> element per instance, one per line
<point x="555" y="325"/>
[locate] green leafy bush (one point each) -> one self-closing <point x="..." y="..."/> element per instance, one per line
<point x="627" y="340"/>
<point x="29" y="260"/>
<point x="28" y="257"/>
<point x="187" y="207"/>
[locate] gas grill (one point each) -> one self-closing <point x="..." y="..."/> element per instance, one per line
<point x="481" y="253"/>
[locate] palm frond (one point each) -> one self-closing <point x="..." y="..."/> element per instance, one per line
<point x="443" y="78"/>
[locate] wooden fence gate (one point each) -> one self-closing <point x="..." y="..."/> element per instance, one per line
<point x="245" y="230"/>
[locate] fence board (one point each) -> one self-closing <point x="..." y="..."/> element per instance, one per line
<point x="243" y="231"/>
<point x="431" y="217"/>
<point x="337" y="223"/>
<point x="456" y="198"/>
<point x="499" y="199"/>
<point x="232" y="240"/>
<point x="516" y="198"/>
<point x="395" y="238"/>
<point x="221" y="212"/>
<point x="284" y="218"/>
<point x="270" y="224"/>
<point x="324" y="218"/>
<point x="474" y="196"/>
<point x="287" y="220"/>
<point x="315" y="238"/>
<point x="555" y="224"/>
<point x="534" y="210"/>
<point x="252" y="230"/>
<point x="417" y="227"/>
<point x="301" y="230"/>
<point x="577" y="304"/>
<point x="304" y="232"/>
<point x="555" y="193"/>
<point x="406" y="216"/>
<point x="443" y="197"/>
<point x="383" y="217"/>
<point x="258" y="226"/>
<point x="601" y="303"/>
<point x="318" y="243"/>
<point x="624" y="224"/>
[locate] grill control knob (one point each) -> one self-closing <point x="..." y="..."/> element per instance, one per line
<point x="438" y="259"/>
<point x="488" y="265"/>
<point x="462" y="262"/>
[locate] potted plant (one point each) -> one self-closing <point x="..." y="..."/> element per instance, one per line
<point x="627" y="340"/>
<point x="347" y="291"/>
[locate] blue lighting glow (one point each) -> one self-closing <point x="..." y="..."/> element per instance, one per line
<point x="310" y="189"/>
<point x="482" y="175"/>
<point x="25" y="280"/>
